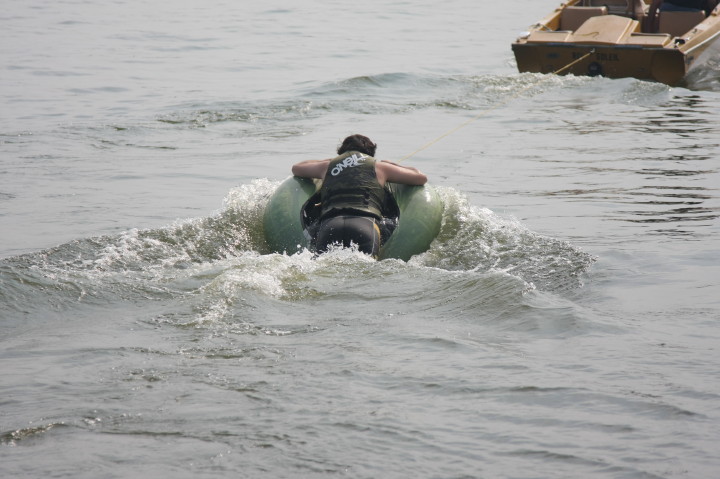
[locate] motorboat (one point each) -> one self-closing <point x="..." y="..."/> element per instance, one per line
<point x="618" y="39"/>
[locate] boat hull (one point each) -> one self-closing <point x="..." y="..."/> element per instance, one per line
<point x="669" y="66"/>
<point x="420" y="217"/>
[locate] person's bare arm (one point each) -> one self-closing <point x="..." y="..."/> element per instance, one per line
<point x="311" y="168"/>
<point x="389" y="171"/>
<point x="401" y="166"/>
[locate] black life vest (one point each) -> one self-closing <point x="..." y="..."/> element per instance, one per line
<point x="351" y="187"/>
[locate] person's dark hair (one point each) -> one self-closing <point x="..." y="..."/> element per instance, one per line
<point x="357" y="143"/>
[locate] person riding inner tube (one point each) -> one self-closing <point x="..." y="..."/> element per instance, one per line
<point x="353" y="193"/>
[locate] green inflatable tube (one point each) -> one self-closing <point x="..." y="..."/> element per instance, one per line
<point x="420" y="216"/>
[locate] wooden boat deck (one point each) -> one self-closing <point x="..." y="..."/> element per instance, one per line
<point x="603" y="30"/>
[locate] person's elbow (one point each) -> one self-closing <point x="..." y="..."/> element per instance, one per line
<point x="300" y="169"/>
<point x="420" y="179"/>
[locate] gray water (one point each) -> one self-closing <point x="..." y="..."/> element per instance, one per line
<point x="563" y="325"/>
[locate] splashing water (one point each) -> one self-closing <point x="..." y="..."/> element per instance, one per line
<point x="219" y="265"/>
<point x="476" y="239"/>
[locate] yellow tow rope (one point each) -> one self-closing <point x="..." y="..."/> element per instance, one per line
<point x="498" y="105"/>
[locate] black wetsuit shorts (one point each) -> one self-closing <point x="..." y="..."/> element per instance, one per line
<point x="346" y="230"/>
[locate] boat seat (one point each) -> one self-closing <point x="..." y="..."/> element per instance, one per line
<point x="607" y="30"/>
<point x="573" y="17"/>
<point x="679" y="23"/>
<point x="636" y="9"/>
<point x="614" y="7"/>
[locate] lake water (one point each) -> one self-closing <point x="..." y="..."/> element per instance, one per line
<point x="564" y="324"/>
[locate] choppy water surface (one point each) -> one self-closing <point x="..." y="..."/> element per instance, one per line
<point x="563" y="324"/>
